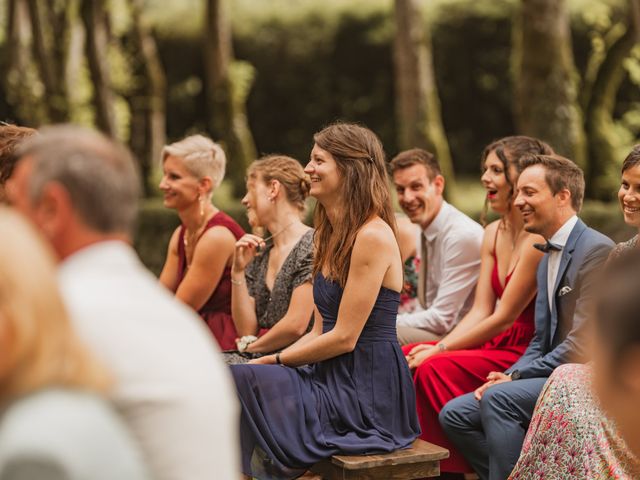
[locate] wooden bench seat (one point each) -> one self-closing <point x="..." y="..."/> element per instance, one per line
<point x="419" y="461"/>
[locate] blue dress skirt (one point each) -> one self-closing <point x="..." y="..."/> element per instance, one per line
<point x="357" y="403"/>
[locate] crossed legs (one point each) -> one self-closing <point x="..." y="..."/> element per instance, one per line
<point x="490" y="433"/>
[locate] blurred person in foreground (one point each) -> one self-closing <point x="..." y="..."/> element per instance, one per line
<point x="198" y="264"/>
<point x="585" y="443"/>
<point x="617" y="359"/>
<point x="54" y="422"/>
<point x="448" y="249"/>
<point x="271" y="277"/>
<point x="81" y="190"/>
<point x="10" y="138"/>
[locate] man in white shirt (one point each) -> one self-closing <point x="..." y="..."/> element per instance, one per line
<point x="171" y="386"/>
<point x="448" y="248"/>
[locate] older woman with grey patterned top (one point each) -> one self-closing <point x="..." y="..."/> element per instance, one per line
<point x="271" y="299"/>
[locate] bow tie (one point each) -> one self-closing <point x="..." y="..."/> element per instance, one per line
<point x="548" y="247"/>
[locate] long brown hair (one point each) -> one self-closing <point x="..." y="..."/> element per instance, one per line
<point x="364" y="192"/>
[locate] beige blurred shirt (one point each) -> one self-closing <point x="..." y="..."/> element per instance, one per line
<point x="173" y="390"/>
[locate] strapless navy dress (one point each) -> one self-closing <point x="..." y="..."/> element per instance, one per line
<point x="357" y="403"/>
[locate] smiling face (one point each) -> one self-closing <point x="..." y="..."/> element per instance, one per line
<point x="495" y="181"/>
<point x="540" y="208"/>
<point x="629" y="196"/>
<point x="180" y="187"/>
<point x="419" y="197"/>
<point x="324" y="174"/>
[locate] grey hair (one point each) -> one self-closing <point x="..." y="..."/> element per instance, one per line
<point x="100" y="175"/>
<point x="201" y="155"/>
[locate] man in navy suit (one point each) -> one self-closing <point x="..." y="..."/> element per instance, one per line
<point x="488" y="426"/>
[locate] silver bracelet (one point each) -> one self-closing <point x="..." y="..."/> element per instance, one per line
<point x="236" y="282"/>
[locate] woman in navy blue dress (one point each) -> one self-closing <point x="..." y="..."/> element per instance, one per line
<point x="345" y="386"/>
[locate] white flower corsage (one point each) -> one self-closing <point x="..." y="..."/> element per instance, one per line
<point x="245" y="341"/>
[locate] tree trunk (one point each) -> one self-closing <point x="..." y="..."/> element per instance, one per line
<point x="50" y="61"/>
<point x="95" y="20"/>
<point x="545" y="78"/>
<point x="226" y="96"/>
<point x="20" y="75"/>
<point x="148" y="100"/>
<point x="417" y="101"/>
<point x="599" y="123"/>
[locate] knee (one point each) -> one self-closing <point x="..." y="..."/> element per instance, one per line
<point x="495" y="401"/>
<point x="455" y="415"/>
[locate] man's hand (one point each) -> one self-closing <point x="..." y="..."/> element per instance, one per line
<point x="494" y="378"/>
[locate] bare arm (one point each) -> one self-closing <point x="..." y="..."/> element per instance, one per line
<point x="290" y="327"/>
<point x="169" y="274"/>
<point x="374" y="250"/>
<point x="407" y="238"/>
<point x="520" y="291"/>
<point x="243" y="305"/>
<point x="211" y="256"/>
<point x="484" y="299"/>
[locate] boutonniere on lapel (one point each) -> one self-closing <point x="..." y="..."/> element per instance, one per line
<point x="564" y="290"/>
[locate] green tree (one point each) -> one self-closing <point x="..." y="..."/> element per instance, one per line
<point x="546" y="81"/>
<point x="417" y="102"/>
<point x="227" y="87"/>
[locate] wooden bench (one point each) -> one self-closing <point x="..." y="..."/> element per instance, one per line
<point x="419" y="461"/>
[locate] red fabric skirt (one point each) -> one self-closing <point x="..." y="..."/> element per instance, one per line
<point x="448" y="375"/>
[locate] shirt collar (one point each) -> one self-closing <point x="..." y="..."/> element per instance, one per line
<point x="104" y="251"/>
<point x="562" y="235"/>
<point x="438" y="223"/>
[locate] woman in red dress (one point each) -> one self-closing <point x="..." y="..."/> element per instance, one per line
<point x="198" y="265"/>
<point x="500" y="325"/>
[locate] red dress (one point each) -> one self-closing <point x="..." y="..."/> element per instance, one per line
<point x="448" y="375"/>
<point x="216" y="312"/>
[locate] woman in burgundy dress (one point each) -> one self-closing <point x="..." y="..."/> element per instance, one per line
<point x="500" y="325"/>
<point x="198" y="264"/>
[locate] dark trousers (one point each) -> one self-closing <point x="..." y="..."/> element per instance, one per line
<point x="490" y="433"/>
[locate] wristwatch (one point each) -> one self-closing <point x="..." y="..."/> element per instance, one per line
<point x="515" y="375"/>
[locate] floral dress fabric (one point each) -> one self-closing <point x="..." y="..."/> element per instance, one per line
<point x="409" y="294"/>
<point x="570" y="437"/>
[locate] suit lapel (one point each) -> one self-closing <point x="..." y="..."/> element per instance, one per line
<point x="565" y="260"/>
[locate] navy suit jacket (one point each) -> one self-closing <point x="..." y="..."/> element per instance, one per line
<point x="559" y="330"/>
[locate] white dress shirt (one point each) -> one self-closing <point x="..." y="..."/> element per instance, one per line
<point x="559" y="238"/>
<point x="172" y="387"/>
<point x="454" y="242"/>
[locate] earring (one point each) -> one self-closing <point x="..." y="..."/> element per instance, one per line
<point x="200" y="199"/>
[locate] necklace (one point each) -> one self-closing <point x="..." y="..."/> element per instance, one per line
<point x="270" y="237"/>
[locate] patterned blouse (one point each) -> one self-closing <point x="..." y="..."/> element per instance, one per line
<point x="570" y="437"/>
<point x="272" y="305"/>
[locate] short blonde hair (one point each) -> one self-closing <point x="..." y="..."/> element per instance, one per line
<point x="42" y="349"/>
<point x="201" y="155"/>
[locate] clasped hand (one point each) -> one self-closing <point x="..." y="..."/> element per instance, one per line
<point x="494" y="378"/>
<point x="419" y="354"/>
